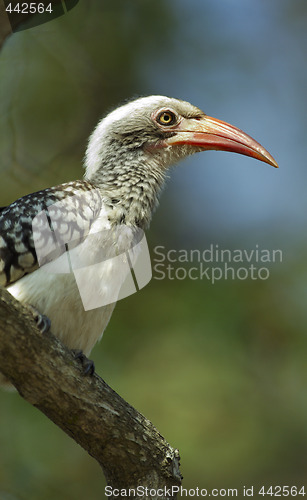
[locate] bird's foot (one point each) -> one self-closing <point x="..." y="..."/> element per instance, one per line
<point x="88" y="366"/>
<point x="42" y="321"/>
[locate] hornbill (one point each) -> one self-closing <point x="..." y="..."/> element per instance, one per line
<point x="126" y="163"/>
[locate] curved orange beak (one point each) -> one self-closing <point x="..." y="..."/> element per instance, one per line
<point x="210" y="133"/>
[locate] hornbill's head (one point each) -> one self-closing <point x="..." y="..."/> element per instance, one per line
<point x="164" y="130"/>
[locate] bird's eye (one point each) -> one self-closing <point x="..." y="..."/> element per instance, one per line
<point x="166" y="118"/>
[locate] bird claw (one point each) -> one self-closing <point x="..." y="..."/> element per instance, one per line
<point x="88" y="365"/>
<point x="42" y="321"/>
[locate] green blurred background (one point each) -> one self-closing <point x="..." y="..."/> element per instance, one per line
<point x="219" y="369"/>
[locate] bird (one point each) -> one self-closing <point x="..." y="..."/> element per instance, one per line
<point x="126" y="162"/>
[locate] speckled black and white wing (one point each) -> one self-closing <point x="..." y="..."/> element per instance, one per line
<point x="71" y="208"/>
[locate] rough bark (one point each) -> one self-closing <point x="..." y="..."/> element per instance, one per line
<point x="128" y="447"/>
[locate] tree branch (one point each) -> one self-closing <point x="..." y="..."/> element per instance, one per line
<point x="128" y="447"/>
<point x="5" y="26"/>
<point x="16" y="19"/>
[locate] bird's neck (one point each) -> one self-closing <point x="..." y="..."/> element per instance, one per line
<point x="130" y="185"/>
